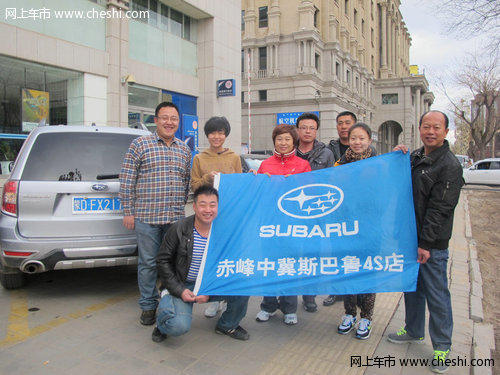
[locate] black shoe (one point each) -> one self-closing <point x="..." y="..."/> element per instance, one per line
<point x="148" y="317"/>
<point x="310" y="307"/>
<point x="237" y="333"/>
<point x="157" y="336"/>
<point x="330" y="300"/>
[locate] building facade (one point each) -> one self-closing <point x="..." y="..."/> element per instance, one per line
<point x="110" y="62"/>
<point x="328" y="56"/>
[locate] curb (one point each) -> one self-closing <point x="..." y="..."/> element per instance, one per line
<point x="483" y="337"/>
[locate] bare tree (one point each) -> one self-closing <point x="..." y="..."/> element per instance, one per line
<point x="482" y="80"/>
<point x="462" y="132"/>
<point x="473" y="17"/>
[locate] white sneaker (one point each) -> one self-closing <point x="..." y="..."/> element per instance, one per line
<point x="290" y="319"/>
<point x="263" y="316"/>
<point x="214" y="307"/>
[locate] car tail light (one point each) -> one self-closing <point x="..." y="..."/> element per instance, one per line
<point x="9" y="198"/>
<point x="17" y="253"/>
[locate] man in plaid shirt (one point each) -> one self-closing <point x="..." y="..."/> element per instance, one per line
<point x="154" y="185"/>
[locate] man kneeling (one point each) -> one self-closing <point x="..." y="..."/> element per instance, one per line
<point x="179" y="261"/>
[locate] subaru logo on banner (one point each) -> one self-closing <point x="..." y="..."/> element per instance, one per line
<point x="318" y="200"/>
<point x="343" y="230"/>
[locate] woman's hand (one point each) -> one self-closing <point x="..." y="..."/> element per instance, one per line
<point x="402" y="148"/>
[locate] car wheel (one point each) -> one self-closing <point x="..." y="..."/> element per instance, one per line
<point x="14" y="280"/>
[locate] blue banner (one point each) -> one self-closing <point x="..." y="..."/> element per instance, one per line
<point x="343" y="230"/>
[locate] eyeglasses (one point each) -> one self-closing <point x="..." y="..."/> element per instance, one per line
<point x="307" y="128"/>
<point x="166" y="118"/>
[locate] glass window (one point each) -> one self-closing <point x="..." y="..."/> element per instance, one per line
<point x="485" y="165"/>
<point x="316" y="17"/>
<point x="144" y="97"/>
<point x="389" y="98"/>
<point x="262" y="95"/>
<point x="263" y="58"/>
<point x="38" y="81"/>
<point x="316" y="61"/>
<point x="164" y="17"/>
<point x="153" y="12"/>
<point x="140" y="5"/>
<point x="187" y="28"/>
<point x="9" y="148"/>
<point x="242" y="20"/>
<point x="175" y="22"/>
<point x="262" y="16"/>
<point x="58" y="156"/>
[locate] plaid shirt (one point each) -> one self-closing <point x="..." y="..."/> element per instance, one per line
<point x="154" y="180"/>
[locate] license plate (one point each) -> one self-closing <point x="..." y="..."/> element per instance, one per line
<point x="92" y="205"/>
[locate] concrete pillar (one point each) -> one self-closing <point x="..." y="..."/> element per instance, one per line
<point x="274" y="15"/>
<point x="117" y="48"/>
<point x="383" y="36"/>
<point x="306" y="15"/>
<point x="250" y="19"/>
<point x="333" y="25"/>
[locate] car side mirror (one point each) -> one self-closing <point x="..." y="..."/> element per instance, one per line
<point x="11" y="165"/>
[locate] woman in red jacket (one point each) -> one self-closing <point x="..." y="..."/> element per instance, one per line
<point x="283" y="162"/>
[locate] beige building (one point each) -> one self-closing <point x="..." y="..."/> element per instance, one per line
<point x="110" y="62"/>
<point x="328" y="56"/>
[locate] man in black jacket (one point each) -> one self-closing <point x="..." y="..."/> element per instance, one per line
<point x="319" y="157"/>
<point x="179" y="261"/>
<point x="437" y="180"/>
<point x="339" y="146"/>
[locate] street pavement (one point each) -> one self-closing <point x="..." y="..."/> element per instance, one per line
<point x="95" y="330"/>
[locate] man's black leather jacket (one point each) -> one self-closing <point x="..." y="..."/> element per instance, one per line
<point x="174" y="256"/>
<point x="437" y="180"/>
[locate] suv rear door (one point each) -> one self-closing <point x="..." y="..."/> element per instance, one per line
<point x="60" y="195"/>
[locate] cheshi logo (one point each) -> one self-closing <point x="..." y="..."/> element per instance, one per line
<point x="311" y="201"/>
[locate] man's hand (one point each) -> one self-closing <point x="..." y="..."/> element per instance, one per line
<point x="188" y="296"/>
<point x="401" y="148"/>
<point x="423" y="255"/>
<point x="128" y="222"/>
<point x="202" y="299"/>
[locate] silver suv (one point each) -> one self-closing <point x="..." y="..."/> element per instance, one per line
<point x="60" y="206"/>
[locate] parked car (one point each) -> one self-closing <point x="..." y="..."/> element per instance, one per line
<point x="251" y="161"/>
<point x="485" y="171"/>
<point x="60" y="206"/>
<point x="464" y="160"/>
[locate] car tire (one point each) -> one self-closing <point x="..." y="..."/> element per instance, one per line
<point x="14" y="280"/>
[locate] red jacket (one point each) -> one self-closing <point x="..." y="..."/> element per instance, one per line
<point x="279" y="164"/>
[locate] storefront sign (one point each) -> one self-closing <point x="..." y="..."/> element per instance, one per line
<point x="226" y="87"/>
<point x="289" y="118"/>
<point x="190" y="133"/>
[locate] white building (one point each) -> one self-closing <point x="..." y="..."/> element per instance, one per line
<point x="329" y="56"/>
<point x="110" y="62"/>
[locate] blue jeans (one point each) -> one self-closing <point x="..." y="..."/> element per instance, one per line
<point x="432" y="286"/>
<point x="149" y="238"/>
<point x="174" y="315"/>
